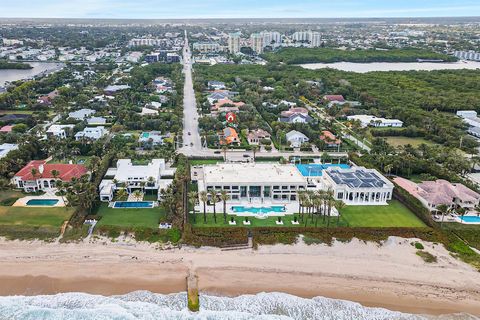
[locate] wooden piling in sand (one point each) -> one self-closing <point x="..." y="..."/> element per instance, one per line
<point x="192" y="293"/>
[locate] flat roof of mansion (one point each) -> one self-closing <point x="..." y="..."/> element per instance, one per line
<point x="248" y="173"/>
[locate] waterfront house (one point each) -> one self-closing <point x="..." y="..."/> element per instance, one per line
<point x="372" y="121"/>
<point x="38" y="175"/>
<point x="153" y="177"/>
<point x="59" y="130"/>
<point x="257" y="135"/>
<point x="81" y="114"/>
<point x="358" y="186"/>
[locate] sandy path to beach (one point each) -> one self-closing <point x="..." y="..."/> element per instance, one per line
<point x="390" y="276"/>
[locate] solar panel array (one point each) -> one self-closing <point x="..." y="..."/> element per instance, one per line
<point x="356" y="179"/>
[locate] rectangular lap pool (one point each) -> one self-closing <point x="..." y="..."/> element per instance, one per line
<point x="133" y="204"/>
<point x="42" y="202"/>
<point x="470" y="219"/>
<point x="259" y="210"/>
<point x="315" y="170"/>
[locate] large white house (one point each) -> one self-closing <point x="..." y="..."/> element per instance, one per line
<point x="358" y="186"/>
<point x="373" y="121"/>
<point x="133" y="177"/>
<point x="252" y="181"/>
<point x="296" y="138"/>
<point x="59" y="130"/>
<point x="93" y="133"/>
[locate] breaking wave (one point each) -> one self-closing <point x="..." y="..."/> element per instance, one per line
<point x="147" y="305"/>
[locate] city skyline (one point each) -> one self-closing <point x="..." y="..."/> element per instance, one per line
<point x="162" y="9"/>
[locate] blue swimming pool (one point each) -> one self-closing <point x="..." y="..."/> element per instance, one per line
<point x="42" y="202"/>
<point x="133" y="204"/>
<point x="258" y="210"/>
<point x="315" y="170"/>
<point x="470" y="219"/>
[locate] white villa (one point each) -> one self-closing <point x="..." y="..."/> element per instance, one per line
<point x="94" y="133"/>
<point x="59" y="130"/>
<point x="296" y="138"/>
<point x="136" y="177"/>
<point x="373" y="121"/>
<point x="252" y="181"/>
<point x="81" y="114"/>
<point x="358" y="186"/>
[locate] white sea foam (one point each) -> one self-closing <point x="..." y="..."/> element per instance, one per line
<point x="147" y="305"/>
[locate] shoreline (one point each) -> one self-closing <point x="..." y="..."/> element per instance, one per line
<point x="389" y="276"/>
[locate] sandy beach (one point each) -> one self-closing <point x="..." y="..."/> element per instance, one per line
<point x="390" y="275"/>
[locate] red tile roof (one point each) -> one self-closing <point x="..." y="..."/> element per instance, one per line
<point x="67" y="171"/>
<point x="331" y="98"/>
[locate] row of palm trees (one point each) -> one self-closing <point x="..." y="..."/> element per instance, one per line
<point x="318" y="203"/>
<point x="311" y="203"/>
<point x="214" y="197"/>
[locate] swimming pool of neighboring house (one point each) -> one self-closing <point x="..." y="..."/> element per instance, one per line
<point x="145" y="135"/>
<point x="259" y="210"/>
<point x="315" y="170"/>
<point x="42" y="202"/>
<point x="133" y="204"/>
<point x="470" y="219"/>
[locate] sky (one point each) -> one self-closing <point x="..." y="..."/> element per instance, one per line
<point x="170" y="9"/>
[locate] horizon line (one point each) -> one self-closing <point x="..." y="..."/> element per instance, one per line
<point x="251" y="18"/>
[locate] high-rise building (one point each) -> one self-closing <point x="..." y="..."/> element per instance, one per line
<point x="234" y="42"/>
<point x="271" y="38"/>
<point x="315" y="39"/>
<point x="256" y="42"/>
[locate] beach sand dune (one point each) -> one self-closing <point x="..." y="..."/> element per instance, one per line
<point x="390" y="275"/>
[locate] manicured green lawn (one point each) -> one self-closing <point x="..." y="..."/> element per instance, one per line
<point x="147" y="218"/>
<point x="34" y="217"/>
<point x="393" y="215"/>
<point x="255" y="222"/>
<point x="199" y="162"/>
<point x="402" y="141"/>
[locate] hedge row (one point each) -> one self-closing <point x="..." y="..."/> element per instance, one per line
<point x="414" y="205"/>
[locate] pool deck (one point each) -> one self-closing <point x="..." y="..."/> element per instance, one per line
<point x="458" y="219"/>
<point x="290" y="208"/>
<point x="22" y="202"/>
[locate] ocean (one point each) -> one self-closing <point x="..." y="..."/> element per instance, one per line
<point x="147" y="305"/>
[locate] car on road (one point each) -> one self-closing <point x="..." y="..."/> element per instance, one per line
<point x="246" y="156"/>
<point x="217" y="152"/>
<point x="189" y="133"/>
<point x="186" y="145"/>
<point x="191" y="144"/>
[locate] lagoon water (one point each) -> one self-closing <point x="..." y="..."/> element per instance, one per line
<point x="147" y="305"/>
<point x="394" y="66"/>
<point x="20" y="74"/>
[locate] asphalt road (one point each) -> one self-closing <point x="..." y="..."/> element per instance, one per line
<point x="191" y="136"/>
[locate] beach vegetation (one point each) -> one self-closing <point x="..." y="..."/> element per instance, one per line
<point x="418" y="246"/>
<point x="426" y="256"/>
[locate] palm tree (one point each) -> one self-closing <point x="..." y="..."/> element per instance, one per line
<point x="204" y="199"/>
<point x="34" y="172"/>
<point x="443" y="209"/>
<point x="137" y="194"/>
<point x="214" y="200"/>
<point x="122" y="194"/>
<point x="339" y="205"/>
<point x="224" y="149"/>
<point x="192" y="198"/>
<point x="55" y="174"/>
<point x="317" y="202"/>
<point x="151" y="182"/>
<point x="301" y="201"/>
<point x="254" y="149"/>
<point x="224" y="197"/>
<point x="328" y="198"/>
